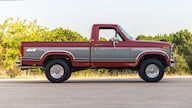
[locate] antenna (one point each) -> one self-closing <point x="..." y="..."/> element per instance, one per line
<point x="134" y="26"/>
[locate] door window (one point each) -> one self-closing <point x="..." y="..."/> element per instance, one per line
<point x="106" y="35"/>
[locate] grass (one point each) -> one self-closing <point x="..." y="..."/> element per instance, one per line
<point x="86" y="74"/>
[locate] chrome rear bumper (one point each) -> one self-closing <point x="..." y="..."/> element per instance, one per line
<point x="19" y="64"/>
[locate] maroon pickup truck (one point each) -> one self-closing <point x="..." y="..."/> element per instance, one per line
<point x="109" y="47"/>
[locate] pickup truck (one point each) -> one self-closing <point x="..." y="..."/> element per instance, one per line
<point x="109" y="47"/>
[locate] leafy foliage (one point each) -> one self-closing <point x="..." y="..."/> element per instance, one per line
<point x="13" y="32"/>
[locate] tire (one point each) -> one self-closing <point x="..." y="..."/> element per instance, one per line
<point x="151" y="70"/>
<point x="57" y="71"/>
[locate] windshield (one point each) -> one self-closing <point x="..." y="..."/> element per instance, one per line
<point x="125" y="33"/>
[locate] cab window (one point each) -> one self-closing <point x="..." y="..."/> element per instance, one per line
<point x="106" y="35"/>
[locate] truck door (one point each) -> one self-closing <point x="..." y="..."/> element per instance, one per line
<point x="109" y="50"/>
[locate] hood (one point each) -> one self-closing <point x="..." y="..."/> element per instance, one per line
<point x="142" y="43"/>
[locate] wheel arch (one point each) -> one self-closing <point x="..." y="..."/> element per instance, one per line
<point x="161" y="56"/>
<point x="65" y="55"/>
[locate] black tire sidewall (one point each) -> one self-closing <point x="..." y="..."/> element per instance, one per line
<point x="66" y="74"/>
<point x="143" y="67"/>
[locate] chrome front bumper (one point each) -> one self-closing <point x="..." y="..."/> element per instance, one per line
<point x="173" y="62"/>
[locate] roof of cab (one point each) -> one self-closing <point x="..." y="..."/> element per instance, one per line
<point x="105" y="25"/>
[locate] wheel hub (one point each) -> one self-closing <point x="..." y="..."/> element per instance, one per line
<point x="56" y="71"/>
<point x="152" y="71"/>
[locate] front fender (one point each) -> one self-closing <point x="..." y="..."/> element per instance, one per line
<point x="146" y="53"/>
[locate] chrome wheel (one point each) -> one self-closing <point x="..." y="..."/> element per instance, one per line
<point x="57" y="71"/>
<point x="152" y="71"/>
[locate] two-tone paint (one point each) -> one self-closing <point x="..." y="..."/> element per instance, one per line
<point x="126" y="53"/>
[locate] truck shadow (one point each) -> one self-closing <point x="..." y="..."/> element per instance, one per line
<point x="105" y="81"/>
<point x="82" y="81"/>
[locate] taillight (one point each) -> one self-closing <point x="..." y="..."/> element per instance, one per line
<point x="21" y="51"/>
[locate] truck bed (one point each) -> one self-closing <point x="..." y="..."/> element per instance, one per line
<point x="37" y="52"/>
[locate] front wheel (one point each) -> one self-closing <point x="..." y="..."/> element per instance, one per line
<point x="57" y="71"/>
<point x="151" y="70"/>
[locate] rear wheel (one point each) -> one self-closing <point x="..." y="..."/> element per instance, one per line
<point x="57" y="71"/>
<point x="151" y="70"/>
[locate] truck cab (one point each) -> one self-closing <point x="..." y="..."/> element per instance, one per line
<point x="109" y="47"/>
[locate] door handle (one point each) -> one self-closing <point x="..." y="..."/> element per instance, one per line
<point x="114" y="43"/>
<point x="98" y="44"/>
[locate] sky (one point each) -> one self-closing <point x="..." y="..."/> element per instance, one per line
<point x="137" y="17"/>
